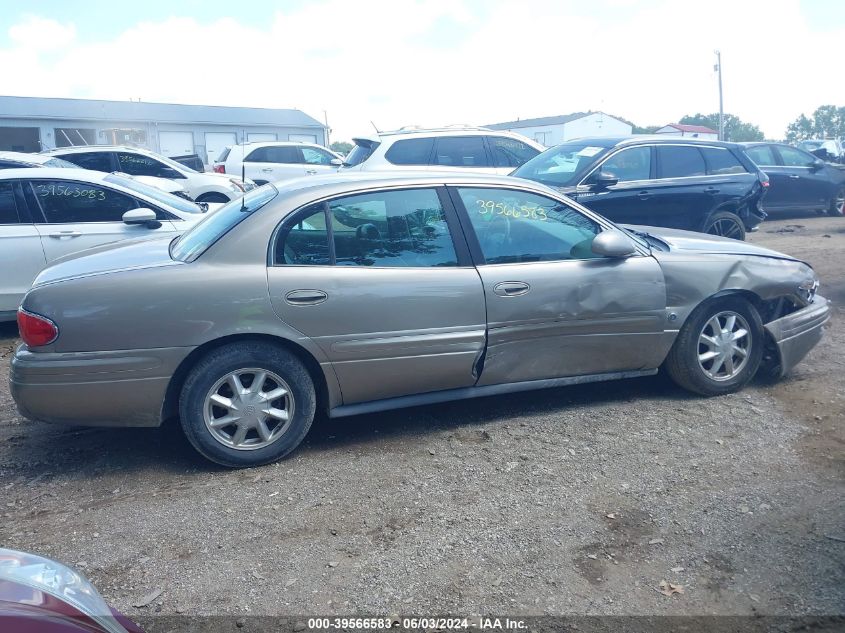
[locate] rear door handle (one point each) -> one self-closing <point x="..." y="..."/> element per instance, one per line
<point x="511" y="288"/>
<point x="305" y="297"/>
<point x="796" y="176"/>
<point x="644" y="195"/>
<point x="267" y="170"/>
<point x="310" y="172"/>
<point x="61" y="234"/>
<point x="711" y="190"/>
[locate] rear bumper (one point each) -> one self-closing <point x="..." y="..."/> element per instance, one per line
<point x="797" y="333"/>
<point x="119" y="388"/>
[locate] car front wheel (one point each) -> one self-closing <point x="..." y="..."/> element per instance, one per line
<point x="247" y="404"/>
<point x="719" y="348"/>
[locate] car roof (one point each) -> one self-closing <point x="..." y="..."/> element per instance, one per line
<point x="23" y="157"/>
<point x="74" y="149"/>
<point x="63" y="173"/>
<point x="650" y="139"/>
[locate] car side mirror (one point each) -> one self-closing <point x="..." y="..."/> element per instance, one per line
<point x="337" y="162"/>
<point x="143" y="216"/>
<point x="604" y="179"/>
<point x="817" y="164"/>
<point x="613" y="243"/>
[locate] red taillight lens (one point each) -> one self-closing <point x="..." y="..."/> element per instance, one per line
<point x="219" y="169"/>
<point x="36" y="330"/>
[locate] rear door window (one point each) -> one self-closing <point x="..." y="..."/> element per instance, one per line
<point x="509" y="152"/>
<point x="65" y="202"/>
<point x="762" y="155"/>
<point x="460" y="151"/>
<point x="411" y="151"/>
<point x="98" y="161"/>
<point x="287" y="154"/>
<point x="721" y="161"/>
<point x="8" y="208"/>
<point x="680" y="161"/>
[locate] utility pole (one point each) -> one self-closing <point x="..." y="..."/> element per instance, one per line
<point x="718" y="69"/>
<point x="326" y="119"/>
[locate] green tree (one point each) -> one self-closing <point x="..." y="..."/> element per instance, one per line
<point x="342" y="147"/>
<point x="645" y="129"/>
<point x="828" y="121"/>
<point x="736" y="129"/>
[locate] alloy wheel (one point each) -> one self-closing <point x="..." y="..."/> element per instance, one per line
<point x="248" y="409"/>
<point x="726" y="227"/>
<point x="723" y="346"/>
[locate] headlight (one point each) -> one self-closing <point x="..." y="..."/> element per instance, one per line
<point x="59" y="581"/>
<point x="237" y="185"/>
<point x="808" y="288"/>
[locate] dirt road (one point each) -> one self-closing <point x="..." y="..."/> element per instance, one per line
<point x="573" y="500"/>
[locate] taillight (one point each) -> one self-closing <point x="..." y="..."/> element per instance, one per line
<point x="764" y="179"/>
<point x="220" y="169"/>
<point x="36" y="330"/>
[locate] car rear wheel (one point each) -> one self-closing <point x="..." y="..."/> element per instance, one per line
<point x="719" y="348"/>
<point x="725" y="224"/>
<point x="837" y="205"/>
<point x="247" y="404"/>
<point x="213" y="197"/>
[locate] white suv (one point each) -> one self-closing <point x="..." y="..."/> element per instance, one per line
<point x="136" y="161"/>
<point x="276" y="160"/>
<point x="474" y="149"/>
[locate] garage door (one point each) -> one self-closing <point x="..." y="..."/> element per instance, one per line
<point x="216" y="142"/>
<point x="176" y="143"/>
<point x="260" y="137"/>
<point x="20" y="139"/>
<point x="303" y="138"/>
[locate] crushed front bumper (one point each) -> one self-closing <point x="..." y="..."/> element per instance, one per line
<point x="796" y="334"/>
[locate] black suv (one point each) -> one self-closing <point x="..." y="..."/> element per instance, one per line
<point x="675" y="182"/>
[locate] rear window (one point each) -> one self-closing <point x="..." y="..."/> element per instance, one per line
<point x="98" y="161"/>
<point x="207" y="231"/>
<point x="362" y="151"/>
<point x="508" y="152"/>
<point x="680" y="161"/>
<point x="224" y="155"/>
<point x="412" y="151"/>
<point x="721" y="161"/>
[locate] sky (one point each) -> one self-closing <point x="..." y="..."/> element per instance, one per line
<point x="435" y="62"/>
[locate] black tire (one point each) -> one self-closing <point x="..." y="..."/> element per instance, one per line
<point x="240" y="356"/>
<point x="683" y="363"/>
<point x="213" y="197"/>
<point x="725" y="224"/>
<point x="837" y="204"/>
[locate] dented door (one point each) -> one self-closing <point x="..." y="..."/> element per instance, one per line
<point x="554" y="309"/>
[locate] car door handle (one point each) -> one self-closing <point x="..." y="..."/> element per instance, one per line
<point x="267" y="170"/>
<point x="711" y="190"/>
<point x="305" y="297"/>
<point x="796" y="176"/>
<point x="644" y="195"/>
<point x="310" y="172"/>
<point x="511" y="288"/>
<point x="62" y="234"/>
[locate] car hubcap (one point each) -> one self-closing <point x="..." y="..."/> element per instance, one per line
<point x="723" y="346"/>
<point x="248" y="409"/>
<point x="726" y="228"/>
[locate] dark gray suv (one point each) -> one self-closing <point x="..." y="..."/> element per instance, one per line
<point x="675" y="182"/>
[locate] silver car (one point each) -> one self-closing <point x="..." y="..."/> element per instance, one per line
<point x="360" y="294"/>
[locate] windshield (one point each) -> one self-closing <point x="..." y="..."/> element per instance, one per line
<point x="810" y="145"/>
<point x="207" y="231"/>
<point x="359" y="153"/>
<point x="561" y="166"/>
<point x="159" y="195"/>
<point x="58" y="162"/>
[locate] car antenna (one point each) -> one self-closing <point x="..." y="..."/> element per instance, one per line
<point x="378" y="131"/>
<point x="243" y="175"/>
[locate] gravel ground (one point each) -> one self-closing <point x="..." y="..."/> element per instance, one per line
<point x="578" y="500"/>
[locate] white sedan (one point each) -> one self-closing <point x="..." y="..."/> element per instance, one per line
<point x="51" y="212"/>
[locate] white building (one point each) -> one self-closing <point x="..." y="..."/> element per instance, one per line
<point x="554" y="130"/>
<point x="30" y="124"/>
<point x="695" y="131"/>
